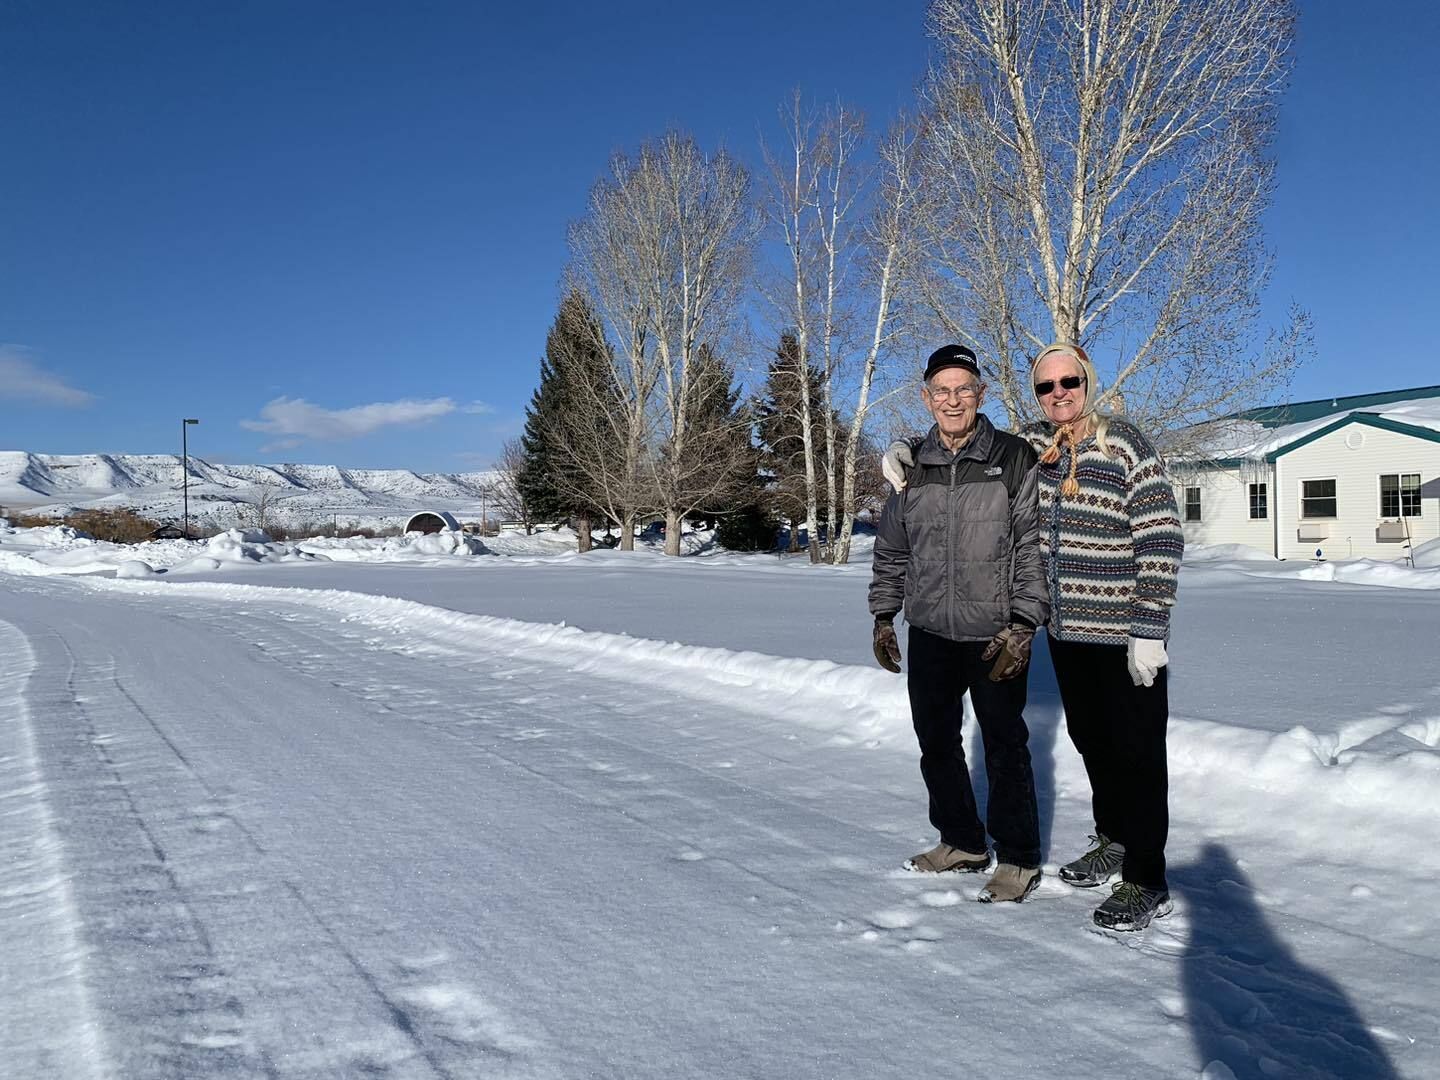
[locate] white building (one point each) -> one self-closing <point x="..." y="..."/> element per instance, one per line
<point x="1350" y="477"/>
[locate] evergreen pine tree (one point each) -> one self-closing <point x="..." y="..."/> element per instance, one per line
<point x="571" y="354"/>
<point x="727" y="441"/>
<point x="542" y="500"/>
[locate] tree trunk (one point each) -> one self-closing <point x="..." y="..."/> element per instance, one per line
<point x="830" y="467"/>
<point x="672" y="532"/>
<point x="627" y="532"/>
<point x="582" y="542"/>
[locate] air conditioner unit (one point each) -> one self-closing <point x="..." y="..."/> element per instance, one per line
<point x="1313" y="532"/>
<point x="1391" y="530"/>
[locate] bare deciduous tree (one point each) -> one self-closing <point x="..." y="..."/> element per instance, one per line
<point x="663" y="255"/>
<point x="258" y="513"/>
<point x="1096" y="171"/>
<point x="890" y="255"/>
<point x="506" y="490"/>
<point x="699" y="230"/>
<point x="797" y="213"/>
<point x="846" y="222"/>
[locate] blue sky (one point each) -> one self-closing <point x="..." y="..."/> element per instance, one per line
<point x="347" y="220"/>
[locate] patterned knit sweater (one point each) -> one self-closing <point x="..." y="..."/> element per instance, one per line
<point x="1112" y="553"/>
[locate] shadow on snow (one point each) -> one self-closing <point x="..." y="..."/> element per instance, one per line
<point x="1253" y="1007"/>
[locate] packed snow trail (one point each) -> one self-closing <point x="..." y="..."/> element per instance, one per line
<point x="296" y="845"/>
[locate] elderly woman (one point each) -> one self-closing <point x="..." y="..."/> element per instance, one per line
<point x="1112" y="543"/>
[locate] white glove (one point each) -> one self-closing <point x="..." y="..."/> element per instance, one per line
<point x="897" y="459"/>
<point x="1145" y="657"/>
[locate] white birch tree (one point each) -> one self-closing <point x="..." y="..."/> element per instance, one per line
<point x="1096" y="171"/>
<point x="843" y="211"/>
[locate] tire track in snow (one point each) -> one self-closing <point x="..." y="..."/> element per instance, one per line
<point x="397" y="1014"/>
<point x="165" y="865"/>
<point x="45" y="968"/>
<point x="687" y="780"/>
<point x="212" y="1040"/>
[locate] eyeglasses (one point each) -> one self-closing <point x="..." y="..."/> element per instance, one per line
<point x="1067" y="382"/>
<point x="946" y="393"/>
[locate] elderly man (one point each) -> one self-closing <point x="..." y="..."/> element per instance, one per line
<point x="958" y="550"/>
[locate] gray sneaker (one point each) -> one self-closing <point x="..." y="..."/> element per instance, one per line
<point x="944" y="859"/>
<point x="1010" y="882"/>
<point x="1131" y="907"/>
<point x="1096" y="866"/>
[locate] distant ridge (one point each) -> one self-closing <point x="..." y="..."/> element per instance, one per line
<point x="151" y="484"/>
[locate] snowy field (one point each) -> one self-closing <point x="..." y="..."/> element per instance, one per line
<point x="390" y="809"/>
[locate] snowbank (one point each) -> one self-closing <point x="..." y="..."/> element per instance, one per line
<point x="1369" y="572"/>
<point x="1427" y="555"/>
<point x="1204" y="559"/>
<point x="407" y="548"/>
<point x="1226" y="553"/>
<point x="62" y="550"/>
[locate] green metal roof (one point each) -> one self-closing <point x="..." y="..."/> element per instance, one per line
<point x="1297" y="412"/>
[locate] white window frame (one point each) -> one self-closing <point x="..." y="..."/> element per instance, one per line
<point x="1199" y="504"/>
<point x="1250" y="500"/>
<point x="1400" y="494"/>
<point x="1300" y="489"/>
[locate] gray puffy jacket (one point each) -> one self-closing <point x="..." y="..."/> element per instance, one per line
<point x="959" y="548"/>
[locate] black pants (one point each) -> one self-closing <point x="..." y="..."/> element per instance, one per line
<point x="1119" y="729"/>
<point x="941" y="671"/>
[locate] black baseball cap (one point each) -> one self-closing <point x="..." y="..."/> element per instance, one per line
<point x="951" y="356"/>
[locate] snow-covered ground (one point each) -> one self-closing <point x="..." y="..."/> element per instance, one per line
<point x="369" y="810"/>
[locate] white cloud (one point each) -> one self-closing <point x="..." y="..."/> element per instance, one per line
<point x="478" y="408"/>
<point x="297" y="417"/>
<point x="21" y="380"/>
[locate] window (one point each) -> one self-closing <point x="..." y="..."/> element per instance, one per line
<point x="1400" y="495"/>
<point x="1259" y="502"/>
<point x="1192" y="504"/>
<point x="1317" y="499"/>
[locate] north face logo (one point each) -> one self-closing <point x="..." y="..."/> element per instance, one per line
<point x="994" y="470"/>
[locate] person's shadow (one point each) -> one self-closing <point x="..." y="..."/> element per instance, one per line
<point x="1253" y="1006"/>
<point x="1042" y="716"/>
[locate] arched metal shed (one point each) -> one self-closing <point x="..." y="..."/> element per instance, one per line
<point x="432" y="521"/>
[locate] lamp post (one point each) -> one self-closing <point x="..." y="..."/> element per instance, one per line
<point x="185" y="471"/>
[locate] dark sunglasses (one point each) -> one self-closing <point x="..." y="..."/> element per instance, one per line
<point x="1069" y="382"/>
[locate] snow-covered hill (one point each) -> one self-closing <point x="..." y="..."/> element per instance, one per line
<point x="222" y="495"/>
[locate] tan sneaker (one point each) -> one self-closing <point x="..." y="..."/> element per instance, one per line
<point x="1010" y="882"/>
<point x="944" y="859"/>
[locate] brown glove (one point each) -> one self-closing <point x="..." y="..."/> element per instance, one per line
<point x="1010" y="649"/>
<point x="887" y="645"/>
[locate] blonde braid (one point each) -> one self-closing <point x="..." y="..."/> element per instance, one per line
<point x="1065" y="433"/>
